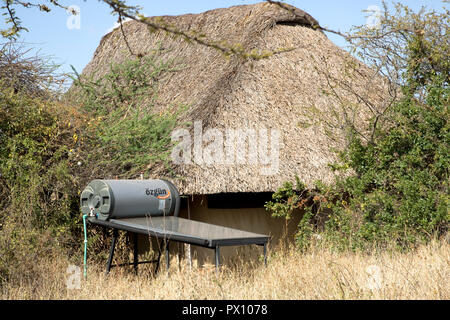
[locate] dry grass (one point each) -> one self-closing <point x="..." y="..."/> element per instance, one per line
<point x="319" y="274"/>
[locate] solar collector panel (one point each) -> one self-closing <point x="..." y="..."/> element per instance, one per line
<point x="184" y="230"/>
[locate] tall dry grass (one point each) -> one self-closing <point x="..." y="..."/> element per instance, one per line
<point x="318" y="274"/>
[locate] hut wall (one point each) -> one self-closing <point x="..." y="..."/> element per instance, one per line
<point x="256" y="220"/>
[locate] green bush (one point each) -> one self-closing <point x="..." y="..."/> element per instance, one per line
<point x="50" y="149"/>
<point x="395" y="189"/>
<point x="399" y="192"/>
<point x="37" y="179"/>
<point x="127" y="132"/>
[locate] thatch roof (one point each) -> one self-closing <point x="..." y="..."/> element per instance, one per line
<point x="271" y="93"/>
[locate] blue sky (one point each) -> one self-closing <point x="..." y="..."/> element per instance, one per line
<point x="50" y="35"/>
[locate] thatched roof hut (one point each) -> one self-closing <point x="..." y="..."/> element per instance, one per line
<point x="234" y="93"/>
<point x="275" y="95"/>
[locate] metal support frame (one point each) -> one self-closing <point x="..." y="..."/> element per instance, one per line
<point x="111" y="250"/>
<point x="163" y="246"/>
<point x="217" y="259"/>
<point x="265" y="254"/>
<point x="160" y="248"/>
<point x="166" y="245"/>
<point x="135" y="252"/>
<point x="136" y="261"/>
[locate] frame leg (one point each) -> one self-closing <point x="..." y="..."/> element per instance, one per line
<point x="167" y="255"/>
<point x="135" y="253"/>
<point x="179" y="255"/>
<point x="160" y="248"/>
<point x="265" y="254"/>
<point x="111" y="250"/>
<point x="217" y="259"/>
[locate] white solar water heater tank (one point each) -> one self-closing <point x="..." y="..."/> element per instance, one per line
<point x="116" y="199"/>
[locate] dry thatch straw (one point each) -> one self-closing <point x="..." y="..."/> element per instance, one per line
<point x="273" y="93"/>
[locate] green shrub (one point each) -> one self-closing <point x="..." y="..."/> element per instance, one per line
<point x="395" y="189"/>
<point x="38" y="189"/>
<point x="50" y="149"/>
<point x="127" y="132"/>
<point x="399" y="192"/>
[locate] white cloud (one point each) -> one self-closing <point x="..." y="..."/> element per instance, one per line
<point x="116" y="25"/>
